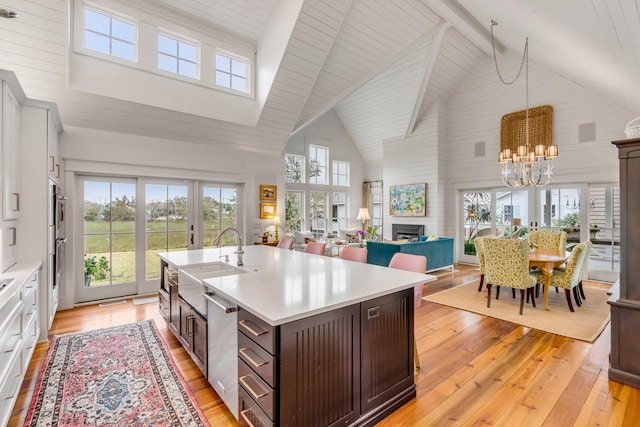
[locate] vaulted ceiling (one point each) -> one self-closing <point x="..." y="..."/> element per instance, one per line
<point x="379" y="64"/>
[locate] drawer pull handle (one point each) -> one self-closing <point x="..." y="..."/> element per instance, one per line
<point x="17" y="209"/>
<point x="243" y="414"/>
<point x="244" y="352"/>
<point x="255" y="395"/>
<point x="53" y="163"/>
<point x="245" y="324"/>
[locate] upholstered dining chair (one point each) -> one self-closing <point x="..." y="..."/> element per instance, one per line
<point x="353" y="253"/>
<point x="569" y="277"/>
<point x="417" y="264"/>
<point x="548" y="239"/>
<point x="479" y="244"/>
<point x="315" y="248"/>
<point x="285" y="243"/>
<point x="507" y="264"/>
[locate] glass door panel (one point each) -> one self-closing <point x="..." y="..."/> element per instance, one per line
<point x="604" y="232"/>
<point x="317" y="212"/>
<point x="559" y="209"/>
<point x="167" y="223"/>
<point x="512" y="213"/>
<point x="109" y="241"/>
<point x="219" y="211"/>
<point x="477" y="218"/>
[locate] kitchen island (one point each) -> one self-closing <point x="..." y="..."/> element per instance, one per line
<point x="320" y="341"/>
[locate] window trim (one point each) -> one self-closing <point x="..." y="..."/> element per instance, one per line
<point x="234" y="57"/>
<point x="179" y="39"/>
<point x="112" y="14"/>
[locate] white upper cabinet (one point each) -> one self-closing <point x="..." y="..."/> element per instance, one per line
<point x="53" y="163"/>
<point x="10" y="154"/>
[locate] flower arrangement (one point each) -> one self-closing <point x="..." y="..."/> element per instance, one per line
<point x="265" y="235"/>
<point x="361" y="234"/>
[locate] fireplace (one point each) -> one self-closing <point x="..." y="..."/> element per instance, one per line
<point x="412" y="232"/>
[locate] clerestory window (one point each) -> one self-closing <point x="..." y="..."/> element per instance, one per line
<point x="232" y="72"/>
<point x="109" y="33"/>
<point x="177" y="55"/>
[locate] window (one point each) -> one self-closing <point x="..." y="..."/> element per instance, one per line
<point x="219" y="211"/>
<point x="110" y="34"/>
<point x="167" y="226"/>
<point x="339" y="211"/>
<point x="293" y="168"/>
<point x="109" y="230"/>
<point x="293" y="202"/>
<point x="318" y="160"/>
<point x="177" y="56"/>
<point x="232" y="72"/>
<point x="317" y="212"/>
<point x="340" y="173"/>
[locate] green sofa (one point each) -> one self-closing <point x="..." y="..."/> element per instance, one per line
<point x="439" y="252"/>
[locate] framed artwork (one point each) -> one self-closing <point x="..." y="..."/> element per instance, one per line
<point x="408" y="200"/>
<point x="268" y="210"/>
<point x="268" y="193"/>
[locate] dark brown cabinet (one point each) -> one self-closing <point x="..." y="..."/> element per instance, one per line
<point x="192" y="333"/>
<point x="625" y="304"/>
<point x="349" y="366"/>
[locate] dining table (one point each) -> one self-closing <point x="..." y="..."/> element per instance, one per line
<point x="546" y="260"/>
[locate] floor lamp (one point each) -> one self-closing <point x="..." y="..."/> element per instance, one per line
<point x="363" y="215"/>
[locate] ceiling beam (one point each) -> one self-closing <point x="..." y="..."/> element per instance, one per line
<point x="463" y="21"/>
<point x="428" y="70"/>
<point x="366" y="79"/>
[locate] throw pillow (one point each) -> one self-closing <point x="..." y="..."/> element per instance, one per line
<point x="431" y="238"/>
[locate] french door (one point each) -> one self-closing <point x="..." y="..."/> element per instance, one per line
<point x="586" y="212"/>
<point x="127" y="221"/>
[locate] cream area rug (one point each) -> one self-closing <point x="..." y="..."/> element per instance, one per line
<point x="586" y="323"/>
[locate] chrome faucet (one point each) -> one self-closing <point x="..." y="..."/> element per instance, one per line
<point x="217" y="242"/>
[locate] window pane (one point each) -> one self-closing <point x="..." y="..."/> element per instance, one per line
<point x="188" y="52"/>
<point x="293" y="210"/>
<point x="219" y="210"/>
<point x="294" y="168"/>
<point x="96" y="22"/>
<point x="167" y="63"/>
<point x="123" y="50"/>
<point x="238" y="83"/>
<point x="123" y="207"/>
<point x="223" y="63"/>
<point x="187" y="69"/>
<point x="97" y="196"/>
<point x="167" y="45"/>
<point x="96" y="42"/>
<point x="123" y="260"/>
<point x="223" y="79"/>
<point x="239" y="68"/>
<point x="123" y="31"/>
<point x="317" y="214"/>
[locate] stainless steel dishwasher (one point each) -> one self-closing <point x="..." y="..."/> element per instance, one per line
<point x="222" y="361"/>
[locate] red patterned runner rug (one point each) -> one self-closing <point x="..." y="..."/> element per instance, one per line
<point x="119" y="376"/>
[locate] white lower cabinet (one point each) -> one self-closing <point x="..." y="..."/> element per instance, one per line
<point x="19" y="330"/>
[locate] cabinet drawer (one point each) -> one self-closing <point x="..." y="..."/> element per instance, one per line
<point x="250" y="413"/>
<point x="258" y="330"/>
<point x="30" y="339"/>
<point x="257" y="389"/>
<point x="9" y="338"/>
<point x="30" y="304"/>
<point x="9" y="391"/>
<point x="262" y="362"/>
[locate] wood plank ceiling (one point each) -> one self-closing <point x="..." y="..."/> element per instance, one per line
<point x="378" y="64"/>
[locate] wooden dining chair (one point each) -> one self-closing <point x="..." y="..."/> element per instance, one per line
<point x="479" y="244"/>
<point x="353" y="253"/>
<point x="548" y="239"/>
<point x="417" y="264"/>
<point x="285" y="243"/>
<point x="569" y="277"/>
<point x="507" y="264"/>
<point x="315" y="248"/>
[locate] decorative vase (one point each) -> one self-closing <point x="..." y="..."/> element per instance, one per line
<point x="265" y="239"/>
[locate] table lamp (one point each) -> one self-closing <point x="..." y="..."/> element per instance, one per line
<point x="363" y="215"/>
<point x="276" y="222"/>
<point x="515" y="223"/>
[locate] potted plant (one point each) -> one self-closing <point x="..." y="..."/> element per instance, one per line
<point x="95" y="268"/>
<point x="372" y="233"/>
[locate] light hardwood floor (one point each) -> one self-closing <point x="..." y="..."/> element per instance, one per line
<point x="475" y="370"/>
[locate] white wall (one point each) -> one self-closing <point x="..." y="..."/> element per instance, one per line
<point x="417" y="159"/>
<point x="328" y="130"/>
<point x="89" y="151"/>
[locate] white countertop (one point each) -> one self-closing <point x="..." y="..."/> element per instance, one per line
<point x="282" y="286"/>
<point x="20" y="272"/>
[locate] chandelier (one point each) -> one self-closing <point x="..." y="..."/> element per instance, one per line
<point x="529" y="165"/>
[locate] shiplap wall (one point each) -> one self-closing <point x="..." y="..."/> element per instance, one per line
<point x="416" y="160"/>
